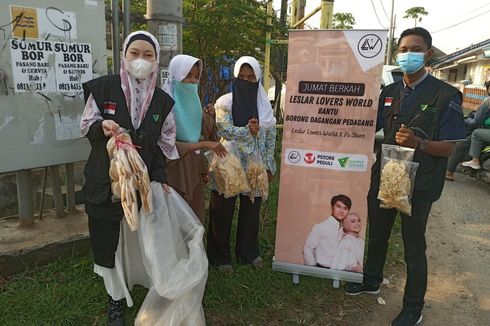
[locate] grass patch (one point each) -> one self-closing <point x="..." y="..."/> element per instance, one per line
<point x="68" y="292"/>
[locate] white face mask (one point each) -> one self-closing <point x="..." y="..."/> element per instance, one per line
<point x="140" y="68"/>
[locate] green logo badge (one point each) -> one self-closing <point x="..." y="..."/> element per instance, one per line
<point x="343" y="161"/>
<point x="426" y="107"/>
<point x="156" y="117"/>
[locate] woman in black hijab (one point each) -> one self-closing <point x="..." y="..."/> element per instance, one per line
<point x="244" y="116"/>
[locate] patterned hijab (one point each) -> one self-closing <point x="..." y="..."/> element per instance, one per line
<point x="138" y="92"/>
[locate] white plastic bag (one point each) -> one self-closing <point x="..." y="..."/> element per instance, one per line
<point x="257" y="176"/>
<point x="129" y="177"/>
<point x="397" y="178"/>
<point x="175" y="260"/>
<point x="227" y="172"/>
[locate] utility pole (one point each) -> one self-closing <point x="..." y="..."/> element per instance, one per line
<point x="268" y="41"/>
<point x="284" y="12"/>
<point x="326" y="14"/>
<point x="280" y="63"/>
<point x="116" y="43"/>
<point x="390" y="35"/>
<point x="301" y="13"/>
<point x="165" y="22"/>
<point x="294" y="12"/>
<point x="126" y="20"/>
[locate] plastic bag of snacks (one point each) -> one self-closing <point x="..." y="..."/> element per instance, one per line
<point x="129" y="177"/>
<point x="257" y="177"/>
<point x="397" y="178"/>
<point x="227" y="172"/>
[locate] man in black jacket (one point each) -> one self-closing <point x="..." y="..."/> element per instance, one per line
<point x="425" y="114"/>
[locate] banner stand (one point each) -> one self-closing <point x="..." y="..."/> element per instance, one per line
<point x="335" y="275"/>
<point x="327" y="152"/>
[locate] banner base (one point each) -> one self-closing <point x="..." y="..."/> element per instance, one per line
<point x="333" y="274"/>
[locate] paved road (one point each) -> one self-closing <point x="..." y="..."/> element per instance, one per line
<point x="459" y="261"/>
<point x="459" y="254"/>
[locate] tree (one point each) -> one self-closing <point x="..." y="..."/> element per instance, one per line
<point x="415" y="13"/>
<point x="219" y="32"/>
<point x="394" y="50"/>
<point x="136" y="15"/>
<point x="137" y="18"/>
<point x="343" y="20"/>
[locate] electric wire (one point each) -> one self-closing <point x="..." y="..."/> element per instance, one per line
<point x="466" y="13"/>
<point x="461" y="22"/>
<point x="383" y="6"/>
<point x="376" y="14"/>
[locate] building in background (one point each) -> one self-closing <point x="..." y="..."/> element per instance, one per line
<point x="467" y="69"/>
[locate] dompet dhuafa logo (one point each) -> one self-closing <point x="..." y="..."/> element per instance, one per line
<point x="352" y="164"/>
<point x="343" y="161"/>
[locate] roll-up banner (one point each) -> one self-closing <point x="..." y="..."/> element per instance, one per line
<point x="332" y="90"/>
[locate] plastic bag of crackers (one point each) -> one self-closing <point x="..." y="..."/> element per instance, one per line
<point x="397" y="178"/>
<point x="257" y="177"/>
<point x="129" y="177"/>
<point x="227" y="173"/>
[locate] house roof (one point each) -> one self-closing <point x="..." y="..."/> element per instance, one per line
<point x="461" y="53"/>
<point x="438" y="52"/>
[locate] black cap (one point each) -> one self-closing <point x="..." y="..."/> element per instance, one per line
<point x="143" y="37"/>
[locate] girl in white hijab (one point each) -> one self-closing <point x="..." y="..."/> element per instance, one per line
<point x="130" y="100"/>
<point x="189" y="173"/>
<point x="244" y="116"/>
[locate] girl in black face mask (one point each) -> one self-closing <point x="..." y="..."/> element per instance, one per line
<point x="244" y="116"/>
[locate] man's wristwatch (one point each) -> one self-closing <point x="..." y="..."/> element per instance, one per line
<point x="423" y="144"/>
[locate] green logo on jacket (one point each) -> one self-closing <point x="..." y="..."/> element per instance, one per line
<point x="426" y="107"/>
<point x="156" y="117"/>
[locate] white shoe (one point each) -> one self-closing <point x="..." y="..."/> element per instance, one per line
<point x="471" y="164"/>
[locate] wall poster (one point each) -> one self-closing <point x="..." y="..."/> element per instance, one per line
<point x="46" y="67"/>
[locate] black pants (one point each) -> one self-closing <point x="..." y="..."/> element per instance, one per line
<point x="221" y="211"/>
<point x="413" y="232"/>
<point x="104" y="224"/>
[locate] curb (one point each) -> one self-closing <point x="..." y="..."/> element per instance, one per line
<point x="20" y="260"/>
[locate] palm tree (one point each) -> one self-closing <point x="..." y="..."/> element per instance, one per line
<point x="343" y="20"/>
<point x="415" y="13"/>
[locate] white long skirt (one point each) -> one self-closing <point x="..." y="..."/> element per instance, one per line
<point x="128" y="267"/>
<point x="165" y="255"/>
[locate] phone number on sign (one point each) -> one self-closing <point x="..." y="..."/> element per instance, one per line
<point x="69" y="87"/>
<point x="30" y="87"/>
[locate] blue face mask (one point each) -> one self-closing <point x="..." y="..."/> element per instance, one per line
<point x="410" y="62"/>
<point x="188" y="111"/>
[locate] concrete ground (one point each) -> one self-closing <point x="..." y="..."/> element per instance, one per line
<point x="47" y="240"/>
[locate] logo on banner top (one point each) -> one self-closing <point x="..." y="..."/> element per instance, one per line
<point x="370" y="46"/>
<point x="367" y="47"/>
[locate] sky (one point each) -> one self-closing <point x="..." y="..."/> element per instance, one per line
<point x="471" y="18"/>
